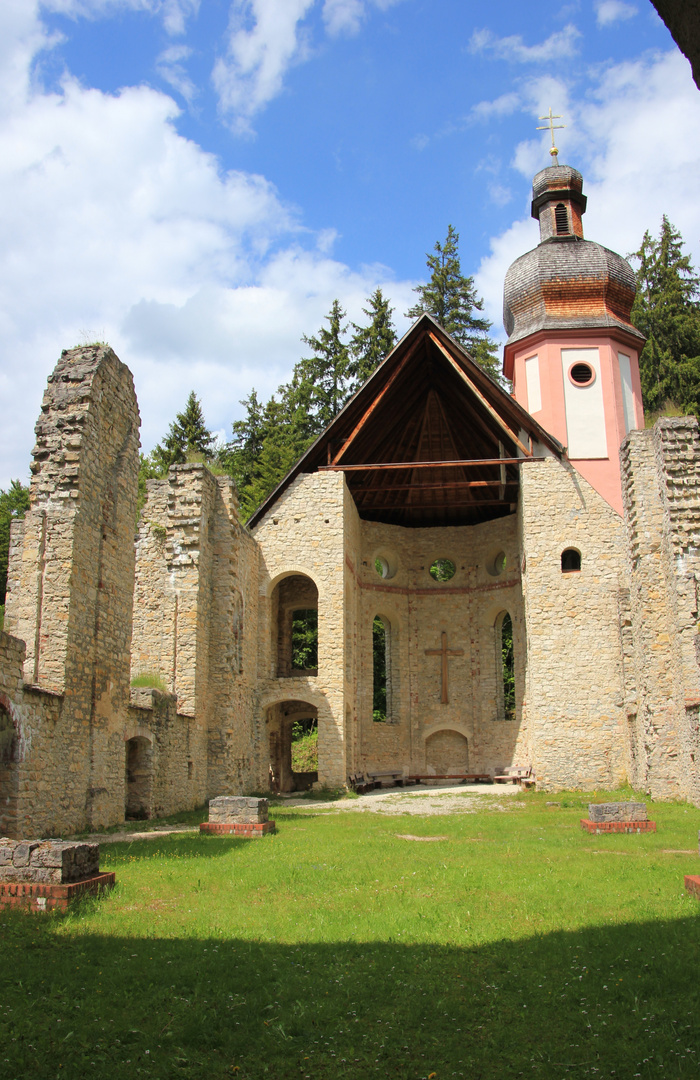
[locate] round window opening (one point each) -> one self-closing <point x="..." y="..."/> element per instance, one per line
<point x="581" y="374"/>
<point x="442" y="570"/>
<point x="382" y="567"/>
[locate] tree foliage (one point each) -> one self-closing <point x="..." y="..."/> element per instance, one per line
<point x="667" y="312"/>
<point x="188" y="434"/>
<point x="452" y="300"/>
<point x="271" y="437"/>
<point x="14" y="504"/>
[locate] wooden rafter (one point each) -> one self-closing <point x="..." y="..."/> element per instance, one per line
<point x="475" y="390"/>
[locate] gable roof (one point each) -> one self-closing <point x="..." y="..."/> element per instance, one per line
<point x="430" y="438"/>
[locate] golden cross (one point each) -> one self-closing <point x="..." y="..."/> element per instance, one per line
<point x="551" y="127"/>
<point x="444" y="652"/>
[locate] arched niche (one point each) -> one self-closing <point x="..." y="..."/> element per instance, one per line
<point x="447" y="753"/>
<point x="138" y="787"/>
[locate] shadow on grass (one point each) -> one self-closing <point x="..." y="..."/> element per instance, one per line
<point x="173" y="845"/>
<point x="619" y="1001"/>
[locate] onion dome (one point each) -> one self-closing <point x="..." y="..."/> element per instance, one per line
<point x="566" y="282"/>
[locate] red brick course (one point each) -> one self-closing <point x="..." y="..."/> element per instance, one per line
<point x="52" y="897"/>
<point x="238" y="828"/>
<point x="617" y="826"/>
<point x="692" y="884"/>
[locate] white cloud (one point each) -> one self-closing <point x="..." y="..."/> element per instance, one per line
<point x="558" y="46"/>
<point x="633" y="138"/>
<point x="174" y="13"/>
<point x="500" y="106"/>
<point x="265" y="38"/>
<point x="347" y="16"/>
<point x="172" y="70"/>
<point x="611" y="11"/>
<point x="124" y="230"/>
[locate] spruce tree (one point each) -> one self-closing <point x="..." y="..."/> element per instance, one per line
<point x="14" y="504"/>
<point x="452" y="300"/>
<point x="370" y="344"/>
<point x="188" y="434"/>
<point x="326" y="375"/>
<point x="667" y="312"/>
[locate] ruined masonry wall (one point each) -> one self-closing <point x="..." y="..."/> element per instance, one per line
<point x="574" y="682"/>
<point x="661" y="475"/>
<point x="417" y="609"/>
<point x="305" y="534"/>
<point x="71" y="594"/>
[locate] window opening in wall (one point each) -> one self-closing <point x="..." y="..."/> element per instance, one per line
<point x="507" y="667"/>
<point x="561" y="219"/>
<point x="570" y="561"/>
<point x="305" y="745"/>
<point x="380" y="644"/>
<point x="8" y="738"/>
<point x="442" y="570"/>
<point x="237" y="631"/>
<point x="305" y="639"/>
<point x="581" y="374"/>
<point x="190" y="770"/>
<point x="382" y="567"/>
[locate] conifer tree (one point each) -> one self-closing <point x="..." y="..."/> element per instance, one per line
<point x="187" y="434"/>
<point x="370" y="344"/>
<point x="666" y="310"/>
<point x="452" y="300"/>
<point x="326" y="375"/>
<point x="14" y="504"/>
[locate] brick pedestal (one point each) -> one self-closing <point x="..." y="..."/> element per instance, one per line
<point x="692" y="885"/>
<point x="42" y="897"/>
<point x="617" y="826"/>
<point x="238" y="828"/>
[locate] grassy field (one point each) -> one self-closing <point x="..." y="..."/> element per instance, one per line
<point x="513" y="946"/>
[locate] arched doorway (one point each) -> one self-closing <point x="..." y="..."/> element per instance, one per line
<point x="293" y="738"/>
<point x="139" y="778"/>
<point x="295" y="626"/>
<point x="447" y="753"/>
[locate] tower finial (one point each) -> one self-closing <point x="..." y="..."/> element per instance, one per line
<point x="551" y="127"/>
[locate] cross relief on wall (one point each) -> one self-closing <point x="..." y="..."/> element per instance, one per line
<point x="445" y="653"/>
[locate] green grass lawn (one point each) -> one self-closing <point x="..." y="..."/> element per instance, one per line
<point x="515" y="946"/>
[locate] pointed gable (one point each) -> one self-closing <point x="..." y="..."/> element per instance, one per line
<point x="430" y="439"/>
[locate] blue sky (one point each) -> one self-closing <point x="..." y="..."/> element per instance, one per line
<point x="196" y="180"/>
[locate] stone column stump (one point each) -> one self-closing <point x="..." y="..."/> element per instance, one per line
<point x="47" y="875"/>
<point x="626" y="817"/>
<point x="238" y="815"/>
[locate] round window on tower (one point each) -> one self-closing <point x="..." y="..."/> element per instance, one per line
<point x="581" y="374"/>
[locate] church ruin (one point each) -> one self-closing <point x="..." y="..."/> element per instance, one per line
<point x="434" y="514"/>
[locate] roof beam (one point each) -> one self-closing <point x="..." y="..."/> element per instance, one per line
<point x="428" y="464"/>
<point x="475" y="390"/>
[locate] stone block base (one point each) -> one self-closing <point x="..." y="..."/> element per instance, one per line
<point x="237" y="828"/>
<point x="692" y="885"/>
<point x="41" y="897"/>
<point x="617" y="826"/>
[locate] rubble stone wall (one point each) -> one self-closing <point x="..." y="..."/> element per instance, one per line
<point x="71" y="595"/>
<point x="661" y="475"/>
<point x="575" y="680"/>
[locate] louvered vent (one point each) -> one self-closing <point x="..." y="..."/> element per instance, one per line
<point x="562" y="219"/>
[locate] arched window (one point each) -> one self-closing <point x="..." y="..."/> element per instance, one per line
<point x="505" y="667"/>
<point x="382" y="709"/>
<point x="294" y="626"/>
<point x="561" y="219"/>
<point x="570" y="561"/>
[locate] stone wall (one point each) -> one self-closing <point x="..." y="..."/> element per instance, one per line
<point x="305" y="535"/>
<point x="661" y="473"/>
<point x="71" y="594"/>
<point x="417" y="609"/>
<point x="196" y="622"/>
<point x="574" y="682"/>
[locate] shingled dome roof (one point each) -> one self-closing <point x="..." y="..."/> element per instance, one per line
<point x="566" y="282"/>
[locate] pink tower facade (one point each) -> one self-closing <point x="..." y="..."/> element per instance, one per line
<point x="572" y="352"/>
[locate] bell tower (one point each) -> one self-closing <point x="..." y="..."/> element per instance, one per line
<point x="572" y="352"/>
